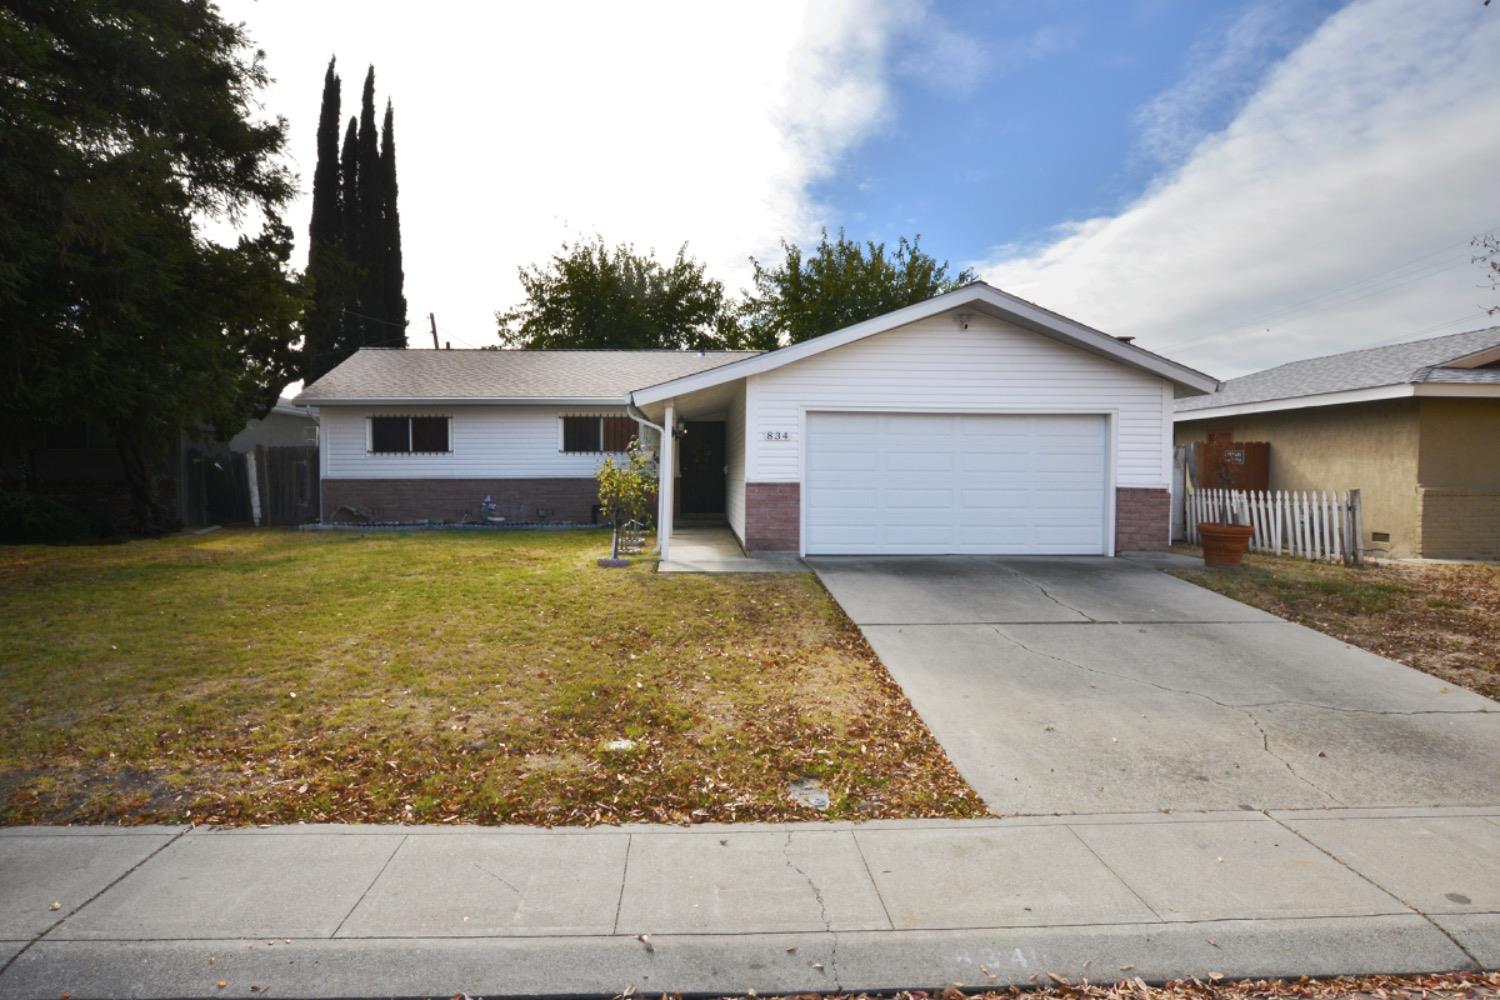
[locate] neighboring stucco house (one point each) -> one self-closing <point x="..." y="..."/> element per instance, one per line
<point x="973" y="422"/>
<point x="1415" y="427"/>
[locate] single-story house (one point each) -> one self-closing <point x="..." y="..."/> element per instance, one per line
<point x="973" y="422"/>
<point x="1415" y="427"/>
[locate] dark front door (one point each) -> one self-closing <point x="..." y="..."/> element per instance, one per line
<point x="703" y="468"/>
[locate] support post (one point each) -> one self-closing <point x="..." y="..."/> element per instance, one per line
<point x="666" y="475"/>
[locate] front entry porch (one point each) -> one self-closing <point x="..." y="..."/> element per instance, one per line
<point x="704" y="549"/>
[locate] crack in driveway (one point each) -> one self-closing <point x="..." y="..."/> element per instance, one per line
<point x="1048" y="594"/>
<point x="1265" y="738"/>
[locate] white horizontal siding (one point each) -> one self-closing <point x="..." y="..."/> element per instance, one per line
<point x="489" y="442"/>
<point x="934" y="365"/>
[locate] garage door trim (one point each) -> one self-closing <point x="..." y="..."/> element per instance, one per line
<point x="1111" y="448"/>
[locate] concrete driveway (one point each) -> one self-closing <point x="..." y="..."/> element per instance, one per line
<point x="1082" y="685"/>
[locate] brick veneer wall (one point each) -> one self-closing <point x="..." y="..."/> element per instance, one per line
<point x="773" y="517"/>
<point x="1458" y="523"/>
<point x="561" y="501"/>
<point x="1143" y="519"/>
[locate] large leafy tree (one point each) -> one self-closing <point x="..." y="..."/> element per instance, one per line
<point x="590" y="295"/>
<point x="126" y="126"/>
<point x="841" y="282"/>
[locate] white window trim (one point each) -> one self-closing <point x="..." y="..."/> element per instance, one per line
<point x="370" y="419"/>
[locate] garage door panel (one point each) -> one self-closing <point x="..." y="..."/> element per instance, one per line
<point x="919" y="460"/>
<point x="919" y="500"/>
<point x="993" y="499"/>
<point x="844" y="461"/>
<point x="1002" y="462"/>
<point x="904" y="483"/>
<point x="993" y="535"/>
<point x="917" y="534"/>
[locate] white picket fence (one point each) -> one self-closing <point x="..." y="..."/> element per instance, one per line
<point x="1308" y="524"/>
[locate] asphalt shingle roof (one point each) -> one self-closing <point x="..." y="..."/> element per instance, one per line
<point x="390" y="374"/>
<point x="1393" y="364"/>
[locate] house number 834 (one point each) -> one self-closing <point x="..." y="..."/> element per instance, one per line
<point x="778" y="435"/>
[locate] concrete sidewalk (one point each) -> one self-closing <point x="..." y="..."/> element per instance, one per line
<point x="403" y="911"/>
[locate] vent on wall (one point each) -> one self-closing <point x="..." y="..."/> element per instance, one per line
<point x="1380" y="536"/>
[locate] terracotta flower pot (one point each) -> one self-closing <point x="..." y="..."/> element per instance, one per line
<point x="1224" y="544"/>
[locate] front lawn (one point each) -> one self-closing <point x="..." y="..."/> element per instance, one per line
<point x="1443" y="619"/>
<point x="259" y="677"/>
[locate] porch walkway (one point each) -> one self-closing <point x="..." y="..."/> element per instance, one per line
<point x="714" y="550"/>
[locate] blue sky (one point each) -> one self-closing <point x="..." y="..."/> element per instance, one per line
<point x="1237" y="184"/>
<point x="1008" y="118"/>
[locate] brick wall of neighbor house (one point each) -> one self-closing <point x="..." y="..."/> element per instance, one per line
<point x="1458" y="523"/>
<point x="1142" y="519"/>
<point x="773" y="517"/>
<point x="560" y="501"/>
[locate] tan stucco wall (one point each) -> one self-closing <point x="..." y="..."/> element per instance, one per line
<point x="1460" y="443"/>
<point x="1372" y="447"/>
<point x="1459" y="476"/>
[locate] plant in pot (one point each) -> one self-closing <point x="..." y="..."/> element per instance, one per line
<point x="1225" y="542"/>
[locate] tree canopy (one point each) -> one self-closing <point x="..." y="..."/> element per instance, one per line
<point x="127" y="126"/>
<point x="590" y="295"/>
<point x="841" y="282"/>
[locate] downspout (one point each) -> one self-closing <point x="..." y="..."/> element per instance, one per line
<point x="632" y="411"/>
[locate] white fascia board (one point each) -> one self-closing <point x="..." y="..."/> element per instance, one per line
<point x="620" y="401"/>
<point x="1472" y="390"/>
<point x="1403" y="391"/>
<point x="1476" y="359"/>
<point x="1297" y="402"/>
<point x="977" y="294"/>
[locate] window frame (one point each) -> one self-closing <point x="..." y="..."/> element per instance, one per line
<point x="600" y="437"/>
<point x="370" y="419"/>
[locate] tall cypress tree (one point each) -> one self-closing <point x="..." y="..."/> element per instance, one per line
<point x="352" y="329"/>
<point x="354" y="246"/>
<point x="325" y="237"/>
<point x="372" y="235"/>
<point x="395" y="277"/>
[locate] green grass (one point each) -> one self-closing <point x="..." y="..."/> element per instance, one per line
<point x="243" y="677"/>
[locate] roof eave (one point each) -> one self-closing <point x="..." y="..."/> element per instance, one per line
<point x="1369" y="394"/>
<point x="621" y="400"/>
<point x="978" y="294"/>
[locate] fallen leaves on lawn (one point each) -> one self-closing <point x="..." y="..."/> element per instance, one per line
<point x="1435" y="986"/>
<point x="738" y="689"/>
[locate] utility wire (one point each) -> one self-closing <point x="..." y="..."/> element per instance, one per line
<point x="1380" y="282"/>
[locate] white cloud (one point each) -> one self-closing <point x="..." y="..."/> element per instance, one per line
<point x="954" y="62"/>
<point x="521" y="125"/>
<point x="1331" y="213"/>
<point x="1223" y="67"/>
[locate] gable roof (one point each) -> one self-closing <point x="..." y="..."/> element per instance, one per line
<point x="1324" y="380"/>
<point x="393" y="375"/>
<point x="978" y="296"/>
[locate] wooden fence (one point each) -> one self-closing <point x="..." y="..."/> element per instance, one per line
<point x="1307" y="524"/>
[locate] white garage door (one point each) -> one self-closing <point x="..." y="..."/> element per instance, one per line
<point x="911" y="483"/>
